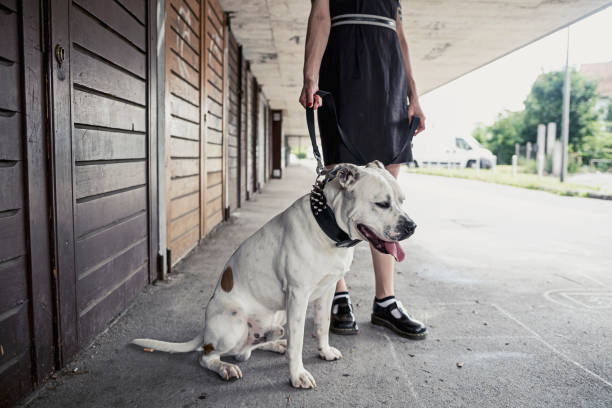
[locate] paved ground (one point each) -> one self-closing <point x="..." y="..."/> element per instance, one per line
<point x="515" y="284"/>
<point x="593" y="179"/>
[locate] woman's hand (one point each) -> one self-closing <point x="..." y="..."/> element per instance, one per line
<point x="308" y="97"/>
<point x="415" y="109"/>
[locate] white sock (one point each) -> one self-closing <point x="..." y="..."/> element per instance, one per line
<point x="386" y="303"/>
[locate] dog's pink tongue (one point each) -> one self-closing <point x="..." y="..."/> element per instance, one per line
<point x="396" y="250"/>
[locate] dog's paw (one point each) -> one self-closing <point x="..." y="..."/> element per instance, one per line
<point x="276" y="346"/>
<point x="228" y="371"/>
<point x="279" y="346"/>
<point x="330" y="353"/>
<point x="303" y="379"/>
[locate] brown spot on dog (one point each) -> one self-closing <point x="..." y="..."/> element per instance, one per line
<point x="208" y="348"/>
<point x="227" y="280"/>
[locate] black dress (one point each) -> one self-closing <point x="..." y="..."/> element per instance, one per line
<point x="364" y="71"/>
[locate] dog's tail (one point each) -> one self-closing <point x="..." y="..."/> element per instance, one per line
<point x="169" y="347"/>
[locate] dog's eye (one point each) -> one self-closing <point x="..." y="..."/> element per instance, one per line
<point x="385" y="204"/>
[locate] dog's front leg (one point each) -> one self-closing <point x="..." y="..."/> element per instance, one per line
<point x="321" y="321"/>
<point x="297" y="303"/>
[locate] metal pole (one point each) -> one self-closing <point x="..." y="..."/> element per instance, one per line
<point x="566" y="108"/>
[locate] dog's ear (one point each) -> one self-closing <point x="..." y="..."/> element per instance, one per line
<point x="376" y="163"/>
<point x="346" y="174"/>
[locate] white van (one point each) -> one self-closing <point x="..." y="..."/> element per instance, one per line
<point x="464" y="151"/>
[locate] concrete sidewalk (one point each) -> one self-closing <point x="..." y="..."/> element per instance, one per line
<point x="529" y="323"/>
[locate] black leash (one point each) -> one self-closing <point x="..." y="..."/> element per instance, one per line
<point x="328" y="101"/>
<point x="318" y="203"/>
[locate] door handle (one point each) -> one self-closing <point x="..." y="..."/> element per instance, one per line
<point x="60" y="54"/>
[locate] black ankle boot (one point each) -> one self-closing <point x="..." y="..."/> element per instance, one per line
<point x="342" y="317"/>
<point x="394" y="317"/>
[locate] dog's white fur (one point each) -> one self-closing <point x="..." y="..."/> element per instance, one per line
<point x="286" y="264"/>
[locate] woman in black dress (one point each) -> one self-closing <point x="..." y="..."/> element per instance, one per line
<point x="356" y="50"/>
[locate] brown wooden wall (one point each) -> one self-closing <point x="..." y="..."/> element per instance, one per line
<point x="233" y="121"/>
<point x="81" y="172"/>
<point x="195" y="44"/>
<point x="212" y="199"/>
<point x="183" y="135"/>
<point x="109" y="71"/>
<point x="262" y="142"/>
<point x="253" y="113"/>
<point x="15" y="336"/>
<point x="244" y="130"/>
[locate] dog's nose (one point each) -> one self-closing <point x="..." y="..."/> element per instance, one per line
<point x="408" y="227"/>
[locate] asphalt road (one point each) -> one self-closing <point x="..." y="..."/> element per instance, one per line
<point x="515" y="285"/>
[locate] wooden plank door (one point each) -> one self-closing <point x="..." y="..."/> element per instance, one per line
<point x="183" y="133"/>
<point x="243" y="128"/>
<point x="26" y="303"/>
<point x="254" y="142"/>
<point x="104" y="181"/>
<point x="212" y="177"/>
<point x="233" y="122"/>
<point x="276" y="144"/>
<point x="250" y="134"/>
<point x="15" y="336"/>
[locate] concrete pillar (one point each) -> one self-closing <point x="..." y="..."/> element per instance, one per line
<point x="551" y="136"/>
<point x="557" y="157"/>
<point x="514" y="164"/>
<point x="528" y="151"/>
<point x="540" y="155"/>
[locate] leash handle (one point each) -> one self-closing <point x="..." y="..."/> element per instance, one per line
<point x="328" y="101"/>
<point x="313" y="139"/>
<point x="414" y="125"/>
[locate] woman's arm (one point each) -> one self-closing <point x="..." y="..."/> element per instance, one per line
<point x="316" y="41"/>
<point x="414" y="108"/>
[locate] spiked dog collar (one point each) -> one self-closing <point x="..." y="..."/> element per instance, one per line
<point x="325" y="217"/>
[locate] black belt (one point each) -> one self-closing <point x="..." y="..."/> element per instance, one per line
<point x="367" y="19"/>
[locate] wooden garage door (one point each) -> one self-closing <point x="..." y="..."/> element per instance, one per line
<point x="26" y="305"/>
<point x="212" y="198"/>
<point x="103" y="177"/>
<point x="262" y="138"/>
<point x="15" y="361"/>
<point x="252" y="134"/>
<point x="183" y="136"/>
<point x="233" y="121"/>
<point x="244" y="93"/>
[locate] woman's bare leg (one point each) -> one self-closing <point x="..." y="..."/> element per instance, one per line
<point x="383" y="263"/>
<point x="341" y="286"/>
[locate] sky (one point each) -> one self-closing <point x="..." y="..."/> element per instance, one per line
<point x="484" y="95"/>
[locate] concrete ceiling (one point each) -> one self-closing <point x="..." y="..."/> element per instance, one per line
<point x="447" y="38"/>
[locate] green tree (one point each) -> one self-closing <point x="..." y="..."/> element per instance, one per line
<point x="544" y="104"/>
<point x="502" y="135"/>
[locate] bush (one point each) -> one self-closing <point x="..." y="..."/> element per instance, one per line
<point x="530" y="167"/>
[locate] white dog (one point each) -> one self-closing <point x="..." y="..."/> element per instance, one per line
<point x="290" y="262"/>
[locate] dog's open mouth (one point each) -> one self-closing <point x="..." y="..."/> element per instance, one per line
<point x="386" y="247"/>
